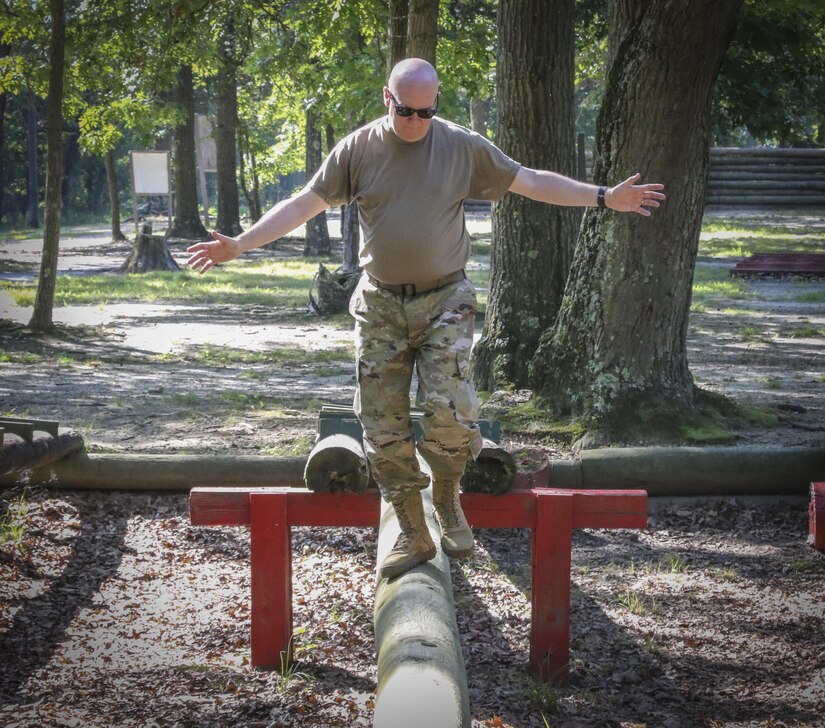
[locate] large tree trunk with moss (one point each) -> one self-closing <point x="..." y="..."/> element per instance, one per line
<point x="317" y="230"/>
<point x="617" y="353"/>
<point x="422" y="29"/>
<point x="532" y="242"/>
<point x="44" y="302"/>
<point x="186" y="222"/>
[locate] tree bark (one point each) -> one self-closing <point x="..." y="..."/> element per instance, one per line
<point x="114" y="201"/>
<point x="532" y="241"/>
<point x="397" y="32"/>
<point x="317" y="231"/>
<point x="422" y="29"/>
<point x="44" y="302"/>
<point x="186" y="222"/>
<point x="229" y="214"/>
<point x="32" y="182"/>
<point x="617" y="354"/>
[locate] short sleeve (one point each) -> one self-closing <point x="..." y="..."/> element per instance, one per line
<point x="493" y="171"/>
<point x="332" y="182"/>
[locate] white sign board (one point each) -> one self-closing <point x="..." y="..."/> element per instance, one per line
<point x="150" y="173"/>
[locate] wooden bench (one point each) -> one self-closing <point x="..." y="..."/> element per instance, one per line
<point x="550" y="514"/>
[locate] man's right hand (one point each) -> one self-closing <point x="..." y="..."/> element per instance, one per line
<point x="205" y="255"/>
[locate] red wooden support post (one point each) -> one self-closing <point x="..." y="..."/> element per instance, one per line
<point x="550" y="627"/>
<point x="816" y="517"/>
<point x="271" y="580"/>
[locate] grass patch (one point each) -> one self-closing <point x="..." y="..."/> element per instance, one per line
<point x="19" y="357"/>
<point x="285" y="356"/>
<point x="530" y="419"/>
<point x="13" y="523"/>
<point x="636" y="603"/>
<point x="482" y="246"/>
<point x="803" y="332"/>
<point x="809" y="297"/>
<point x="299" y="446"/>
<point x="281" y="282"/>
<point x="814" y="565"/>
<point x="713" y="283"/>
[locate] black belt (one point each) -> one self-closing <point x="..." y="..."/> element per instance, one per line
<point x="413" y="289"/>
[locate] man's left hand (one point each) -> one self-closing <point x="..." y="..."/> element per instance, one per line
<point x="629" y="197"/>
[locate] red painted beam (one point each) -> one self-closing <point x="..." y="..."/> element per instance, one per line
<point x="816" y="517"/>
<point x="591" y="508"/>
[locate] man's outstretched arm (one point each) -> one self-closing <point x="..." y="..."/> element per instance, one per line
<point x="277" y="222"/>
<point x="556" y="189"/>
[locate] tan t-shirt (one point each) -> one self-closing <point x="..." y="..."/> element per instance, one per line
<point x="411" y="195"/>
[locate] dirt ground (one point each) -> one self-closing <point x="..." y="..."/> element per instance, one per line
<point x="114" y="611"/>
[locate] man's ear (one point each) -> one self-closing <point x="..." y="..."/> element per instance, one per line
<point x="386" y="96"/>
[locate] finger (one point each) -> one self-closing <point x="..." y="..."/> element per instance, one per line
<point x="644" y="212"/>
<point x="196" y="247"/>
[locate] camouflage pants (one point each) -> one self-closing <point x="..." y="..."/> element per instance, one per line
<point x="431" y="333"/>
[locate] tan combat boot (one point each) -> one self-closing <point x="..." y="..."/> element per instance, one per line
<point x="456" y="535"/>
<point x="414" y="544"/>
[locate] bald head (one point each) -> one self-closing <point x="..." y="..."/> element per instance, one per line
<point x="413" y="72"/>
<point x="413" y="83"/>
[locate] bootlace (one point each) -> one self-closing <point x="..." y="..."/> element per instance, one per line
<point x="447" y="511"/>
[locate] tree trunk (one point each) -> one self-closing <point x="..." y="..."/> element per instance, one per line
<point x="532" y="241"/>
<point x="422" y="29"/>
<point x="149" y="253"/>
<point x="251" y="194"/>
<point x="617" y="355"/>
<point x="186" y="222"/>
<point x="478" y="116"/>
<point x="44" y="302"/>
<point x="32" y="182"/>
<point x="114" y="201"/>
<point x="397" y="31"/>
<point x="351" y="234"/>
<point x="317" y="231"/>
<point x="229" y="215"/>
<point x="4" y="52"/>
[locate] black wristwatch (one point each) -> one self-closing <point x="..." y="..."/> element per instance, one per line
<point x="600" y="197"/>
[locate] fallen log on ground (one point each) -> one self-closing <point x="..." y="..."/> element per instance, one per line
<point x="166" y="472"/>
<point x="42" y="450"/>
<point x="662" y="471"/>
<point x="688" y="471"/>
<point x="421" y="676"/>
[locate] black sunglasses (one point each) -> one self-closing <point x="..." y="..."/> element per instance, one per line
<point x="409" y="110"/>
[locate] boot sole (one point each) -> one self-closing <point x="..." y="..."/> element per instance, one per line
<point x="457" y="553"/>
<point x="390" y="572"/>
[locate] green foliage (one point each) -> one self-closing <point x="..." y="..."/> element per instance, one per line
<point x="771" y="88"/>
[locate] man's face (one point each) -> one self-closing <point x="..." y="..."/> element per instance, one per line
<point x="418" y="96"/>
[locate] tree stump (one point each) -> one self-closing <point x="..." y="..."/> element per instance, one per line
<point x="148" y="253"/>
<point x="334" y="289"/>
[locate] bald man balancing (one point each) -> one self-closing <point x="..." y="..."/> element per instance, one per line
<point x="414" y="308"/>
